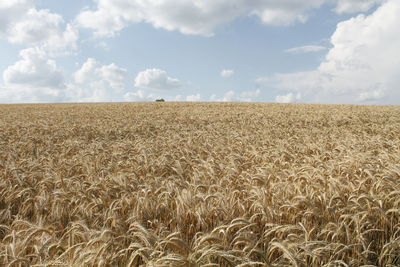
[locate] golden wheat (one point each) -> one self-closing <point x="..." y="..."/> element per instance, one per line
<point x="206" y="184"/>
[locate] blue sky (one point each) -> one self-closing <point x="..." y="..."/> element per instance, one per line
<point x="318" y="51"/>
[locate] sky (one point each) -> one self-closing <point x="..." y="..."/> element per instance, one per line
<point x="290" y="51"/>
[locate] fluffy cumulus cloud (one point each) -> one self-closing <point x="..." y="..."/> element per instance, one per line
<point x="101" y="81"/>
<point x="156" y="79"/>
<point x="21" y="23"/>
<point x="33" y="78"/>
<point x="63" y="42"/>
<point x="34" y="69"/>
<point x="36" y="78"/>
<point x="232" y="96"/>
<point x="227" y="73"/>
<point x="361" y="67"/>
<point x="103" y="21"/>
<point x="10" y="12"/>
<point x="92" y="71"/>
<point x="203" y="17"/>
<point x="34" y="27"/>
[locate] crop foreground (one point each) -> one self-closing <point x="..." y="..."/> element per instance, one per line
<point x="206" y="184"/>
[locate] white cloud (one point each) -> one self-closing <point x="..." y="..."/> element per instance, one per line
<point x="361" y="67"/>
<point x="87" y="71"/>
<point x="283" y="15"/>
<point x="24" y="94"/>
<point x="10" y="12"/>
<point x="113" y="75"/>
<point x="35" y="27"/>
<point x="35" y="69"/>
<point x="289" y="98"/>
<point x="156" y="79"/>
<point x="92" y="71"/>
<point x="352" y="6"/>
<point x="263" y="80"/>
<point x="203" y="17"/>
<point x="305" y="49"/>
<point x="33" y="78"/>
<point x="193" y="98"/>
<point x="102" y="82"/>
<point x="249" y="95"/>
<point x="372" y="95"/>
<point x="140" y="96"/>
<point x="231" y="96"/>
<point x="101" y="20"/>
<point x="227" y="73"/>
<point x="21" y="23"/>
<point x="62" y="43"/>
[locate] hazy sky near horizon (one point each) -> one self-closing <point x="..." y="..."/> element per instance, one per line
<point x="316" y="51"/>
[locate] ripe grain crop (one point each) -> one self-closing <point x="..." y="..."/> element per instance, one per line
<point x="199" y="184"/>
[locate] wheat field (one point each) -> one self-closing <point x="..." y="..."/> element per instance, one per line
<point x="199" y="184"/>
